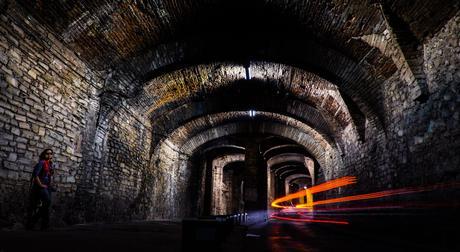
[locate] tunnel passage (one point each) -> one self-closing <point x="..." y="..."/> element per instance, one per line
<point x="245" y="171"/>
<point x="162" y="110"/>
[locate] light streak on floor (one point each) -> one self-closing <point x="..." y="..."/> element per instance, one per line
<point x="310" y="207"/>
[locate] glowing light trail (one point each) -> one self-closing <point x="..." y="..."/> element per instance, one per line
<point x="333" y="184"/>
<point x="310" y="220"/>
<point x="315" y="189"/>
<point x="309" y="217"/>
<point x="376" y="195"/>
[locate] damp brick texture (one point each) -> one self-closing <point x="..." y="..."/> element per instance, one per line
<point x="147" y="113"/>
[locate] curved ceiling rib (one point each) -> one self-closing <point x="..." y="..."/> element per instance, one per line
<point x="141" y="39"/>
<point x="192" y="128"/>
<point x="179" y="87"/>
<point x="325" y="155"/>
<point x="166" y="96"/>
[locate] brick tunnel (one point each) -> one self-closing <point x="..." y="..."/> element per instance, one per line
<point x="229" y="125"/>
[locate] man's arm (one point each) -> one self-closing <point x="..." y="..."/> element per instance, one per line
<point x="39" y="183"/>
<point x="35" y="174"/>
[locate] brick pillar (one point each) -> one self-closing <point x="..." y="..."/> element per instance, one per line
<point x="255" y="183"/>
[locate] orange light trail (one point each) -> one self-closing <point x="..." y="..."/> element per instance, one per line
<point x="376" y="195"/>
<point x="310" y="220"/>
<point x="333" y="184"/>
<point x="347" y="181"/>
<point x="309" y="217"/>
<point x="315" y="189"/>
<point x="276" y="202"/>
<point x="358" y="197"/>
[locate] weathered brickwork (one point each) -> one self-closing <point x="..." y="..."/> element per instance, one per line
<point x="47" y="98"/>
<point x="115" y="187"/>
<point x="421" y="139"/>
<point x="430" y="130"/>
<point x="51" y="99"/>
<point x="221" y="184"/>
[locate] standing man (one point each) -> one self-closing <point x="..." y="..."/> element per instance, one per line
<point x="41" y="191"/>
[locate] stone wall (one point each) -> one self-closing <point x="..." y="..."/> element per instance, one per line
<point x="221" y="185"/>
<point x="48" y="99"/>
<point x="425" y="136"/>
<point x="419" y="144"/>
<point x="116" y="169"/>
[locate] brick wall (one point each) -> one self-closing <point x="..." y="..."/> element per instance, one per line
<point x="48" y="99"/>
<point x="420" y="142"/>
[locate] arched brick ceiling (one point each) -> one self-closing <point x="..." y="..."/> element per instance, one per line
<point x="168" y="122"/>
<point x="284" y="158"/>
<point x="179" y="91"/>
<point x="325" y="155"/>
<point x="221" y="145"/>
<point x="286" y="148"/>
<point x="224" y="160"/>
<point x="219" y="148"/>
<point x="136" y="38"/>
<point x="123" y="29"/>
<point x="216" y="149"/>
<point x="230" y="145"/>
<point x="271" y="142"/>
<point x="126" y="28"/>
<point x="288" y="163"/>
<point x="294" y="177"/>
<point x="234" y="145"/>
<point x="286" y="172"/>
<point x="201" y="81"/>
<point x="207" y="89"/>
<point x="186" y="141"/>
<point x="320" y="151"/>
<point x="236" y="167"/>
<point x="194" y="127"/>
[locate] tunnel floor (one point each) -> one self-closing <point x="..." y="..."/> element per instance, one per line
<point x="136" y="236"/>
<point x="429" y="234"/>
<point x="283" y="236"/>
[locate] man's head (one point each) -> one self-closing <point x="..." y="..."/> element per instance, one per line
<point x="47" y="154"/>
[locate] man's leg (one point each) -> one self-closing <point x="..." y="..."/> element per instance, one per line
<point x="32" y="214"/>
<point x="44" y="212"/>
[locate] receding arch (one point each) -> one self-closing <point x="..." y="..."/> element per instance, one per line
<point x="177" y="156"/>
<point x="302" y="84"/>
<point x="218" y="205"/>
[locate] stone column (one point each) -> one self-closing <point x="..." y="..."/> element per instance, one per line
<point x="255" y="183"/>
